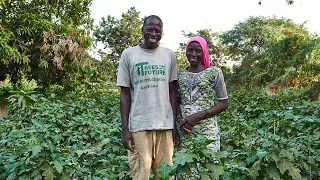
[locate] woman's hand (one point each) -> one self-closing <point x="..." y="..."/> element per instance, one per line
<point x="189" y="122"/>
<point x="183" y="129"/>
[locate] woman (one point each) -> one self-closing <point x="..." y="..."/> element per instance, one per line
<point x="197" y="86"/>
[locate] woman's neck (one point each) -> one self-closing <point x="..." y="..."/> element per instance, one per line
<point x="196" y="69"/>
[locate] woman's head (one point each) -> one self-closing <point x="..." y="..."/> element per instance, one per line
<point x="197" y="51"/>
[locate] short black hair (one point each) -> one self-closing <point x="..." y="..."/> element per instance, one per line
<point x="151" y="16"/>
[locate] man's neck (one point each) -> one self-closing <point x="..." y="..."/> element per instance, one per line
<point x="146" y="46"/>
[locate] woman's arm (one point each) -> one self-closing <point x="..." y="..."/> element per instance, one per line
<point x="190" y="121"/>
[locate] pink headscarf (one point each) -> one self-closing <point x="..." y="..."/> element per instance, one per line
<point x="203" y="43"/>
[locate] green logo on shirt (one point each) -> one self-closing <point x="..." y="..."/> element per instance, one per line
<point x="143" y="68"/>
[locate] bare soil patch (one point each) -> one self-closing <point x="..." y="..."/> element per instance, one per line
<point x="3" y="110"/>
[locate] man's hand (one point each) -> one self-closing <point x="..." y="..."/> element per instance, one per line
<point x="182" y="127"/>
<point x="127" y="140"/>
<point x="176" y="138"/>
<point x="189" y="122"/>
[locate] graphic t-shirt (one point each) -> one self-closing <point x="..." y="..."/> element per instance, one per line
<point x="148" y="73"/>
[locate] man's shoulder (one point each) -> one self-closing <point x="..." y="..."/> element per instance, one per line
<point x="131" y="49"/>
<point x="165" y="49"/>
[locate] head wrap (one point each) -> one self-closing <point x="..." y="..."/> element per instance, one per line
<point x="205" y="52"/>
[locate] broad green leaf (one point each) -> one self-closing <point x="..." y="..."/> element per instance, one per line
<point x="254" y="170"/>
<point x="11" y="167"/>
<point x="216" y="170"/>
<point x="251" y="159"/>
<point x="274" y="156"/>
<point x="205" y="177"/>
<point x="261" y="154"/>
<point x="164" y="171"/>
<point x="104" y="142"/>
<point x="65" y="176"/>
<point x="34" y="173"/>
<point x="221" y="154"/>
<point x="284" y="165"/>
<point x="37" y="122"/>
<point x="274" y="173"/>
<point x="305" y="166"/>
<point x="16" y="134"/>
<point x="85" y="129"/>
<point x="295" y="173"/>
<point x="48" y="173"/>
<point x="80" y="152"/>
<point x="35" y="150"/>
<point x="12" y="176"/>
<point x="25" y="177"/>
<point x="20" y="100"/>
<point x="183" y="158"/>
<point x="267" y="144"/>
<point x="58" y="166"/>
<point x="286" y="153"/>
<point x="38" y="177"/>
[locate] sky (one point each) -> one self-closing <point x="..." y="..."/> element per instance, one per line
<point x="217" y="15"/>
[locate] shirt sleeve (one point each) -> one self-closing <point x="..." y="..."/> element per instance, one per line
<point x="173" y="69"/>
<point x="220" y="86"/>
<point x="123" y="75"/>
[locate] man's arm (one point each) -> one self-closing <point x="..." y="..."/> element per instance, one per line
<point x="125" y="105"/>
<point x="173" y="102"/>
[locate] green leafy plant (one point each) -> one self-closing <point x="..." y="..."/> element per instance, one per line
<point x="24" y="95"/>
<point x="69" y="137"/>
<point x="262" y="137"/>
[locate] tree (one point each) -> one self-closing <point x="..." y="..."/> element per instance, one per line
<point x="44" y="37"/>
<point x="271" y="50"/>
<point x="119" y="34"/>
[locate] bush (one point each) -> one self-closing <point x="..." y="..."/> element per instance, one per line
<point x="67" y="137"/>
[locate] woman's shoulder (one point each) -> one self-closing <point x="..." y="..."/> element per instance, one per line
<point x="213" y="72"/>
<point x="214" y="69"/>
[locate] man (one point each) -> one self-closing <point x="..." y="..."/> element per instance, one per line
<point x="146" y="75"/>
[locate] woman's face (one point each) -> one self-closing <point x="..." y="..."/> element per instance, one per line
<point x="194" y="53"/>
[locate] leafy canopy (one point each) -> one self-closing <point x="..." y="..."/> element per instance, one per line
<point x="44" y="38"/>
<point x="117" y="35"/>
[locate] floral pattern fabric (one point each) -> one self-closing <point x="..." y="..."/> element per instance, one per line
<point x="197" y="92"/>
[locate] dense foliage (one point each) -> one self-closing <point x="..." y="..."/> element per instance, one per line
<point x="117" y="35"/>
<point x="47" y="40"/>
<point x="64" y="119"/>
<point x="273" y="51"/>
<point x="262" y="137"/>
<point x="79" y="137"/>
<point x="67" y="137"/>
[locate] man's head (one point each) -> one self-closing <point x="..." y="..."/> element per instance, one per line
<point x="152" y="31"/>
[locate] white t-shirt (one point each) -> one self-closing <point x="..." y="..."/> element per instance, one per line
<point x="148" y="72"/>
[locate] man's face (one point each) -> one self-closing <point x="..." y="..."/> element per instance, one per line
<point x="152" y="32"/>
